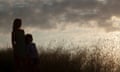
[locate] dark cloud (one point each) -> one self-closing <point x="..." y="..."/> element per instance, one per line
<point x="46" y="13"/>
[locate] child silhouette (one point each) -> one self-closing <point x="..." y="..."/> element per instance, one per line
<point x="32" y="53"/>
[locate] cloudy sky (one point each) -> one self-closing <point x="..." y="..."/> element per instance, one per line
<point x="60" y="19"/>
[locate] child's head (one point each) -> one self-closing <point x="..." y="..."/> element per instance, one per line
<point x="17" y="23"/>
<point x="28" y="38"/>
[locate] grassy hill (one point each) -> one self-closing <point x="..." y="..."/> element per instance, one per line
<point x="59" y="61"/>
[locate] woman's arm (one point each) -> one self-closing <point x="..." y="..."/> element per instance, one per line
<point x="13" y="39"/>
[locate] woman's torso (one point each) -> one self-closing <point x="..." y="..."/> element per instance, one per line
<point x="19" y="49"/>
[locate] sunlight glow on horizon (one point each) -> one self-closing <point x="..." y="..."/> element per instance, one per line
<point x="116" y="21"/>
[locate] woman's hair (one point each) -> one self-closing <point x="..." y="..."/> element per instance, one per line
<point x="17" y="24"/>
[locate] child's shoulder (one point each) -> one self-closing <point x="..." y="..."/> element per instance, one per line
<point x="33" y="44"/>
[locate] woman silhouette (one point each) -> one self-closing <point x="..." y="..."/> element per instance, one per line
<point x="18" y="43"/>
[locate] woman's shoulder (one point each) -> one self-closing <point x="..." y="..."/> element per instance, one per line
<point x="19" y="31"/>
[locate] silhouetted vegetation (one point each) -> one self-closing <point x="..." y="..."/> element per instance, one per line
<point x="6" y="61"/>
<point x="64" y="61"/>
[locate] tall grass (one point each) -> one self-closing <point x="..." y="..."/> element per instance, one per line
<point x="65" y="61"/>
<point x="6" y="61"/>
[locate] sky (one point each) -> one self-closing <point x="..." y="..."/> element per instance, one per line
<point x="74" y="21"/>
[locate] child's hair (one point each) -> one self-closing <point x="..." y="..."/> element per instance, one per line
<point x="28" y="38"/>
<point x="17" y="23"/>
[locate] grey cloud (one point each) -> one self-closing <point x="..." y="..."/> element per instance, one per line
<point x="46" y="13"/>
<point x="21" y="10"/>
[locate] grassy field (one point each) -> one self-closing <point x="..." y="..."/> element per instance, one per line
<point x="59" y="61"/>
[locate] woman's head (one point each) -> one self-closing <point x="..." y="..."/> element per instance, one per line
<point x="17" y="23"/>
